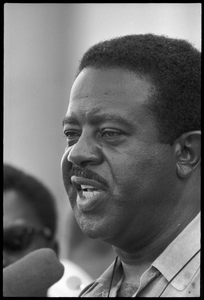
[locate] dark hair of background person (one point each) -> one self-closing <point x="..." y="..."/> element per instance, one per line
<point x="33" y="191"/>
<point x="173" y="66"/>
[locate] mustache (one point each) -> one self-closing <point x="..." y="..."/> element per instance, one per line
<point x="88" y="174"/>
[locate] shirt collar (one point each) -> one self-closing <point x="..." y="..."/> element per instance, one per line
<point x="178" y="253"/>
<point x="169" y="263"/>
<point x="101" y="285"/>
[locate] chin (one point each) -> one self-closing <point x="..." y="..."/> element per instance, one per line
<point x="91" y="226"/>
<point x="91" y="233"/>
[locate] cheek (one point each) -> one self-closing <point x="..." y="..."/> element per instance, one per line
<point x="143" y="170"/>
<point x="133" y="169"/>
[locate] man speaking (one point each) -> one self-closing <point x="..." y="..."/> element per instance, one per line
<point x="131" y="167"/>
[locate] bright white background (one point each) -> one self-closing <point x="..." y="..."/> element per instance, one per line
<point x="43" y="44"/>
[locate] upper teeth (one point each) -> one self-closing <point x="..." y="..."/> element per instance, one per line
<point x="86" y="187"/>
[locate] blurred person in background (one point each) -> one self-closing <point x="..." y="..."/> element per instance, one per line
<point x="30" y="223"/>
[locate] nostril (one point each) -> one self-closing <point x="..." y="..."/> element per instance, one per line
<point x="85" y="163"/>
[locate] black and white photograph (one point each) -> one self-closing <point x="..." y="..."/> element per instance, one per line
<point x="101" y="149"/>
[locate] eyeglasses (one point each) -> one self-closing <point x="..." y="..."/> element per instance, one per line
<point x="18" y="238"/>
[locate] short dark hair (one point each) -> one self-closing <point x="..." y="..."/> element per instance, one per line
<point x="33" y="191"/>
<point x="173" y="67"/>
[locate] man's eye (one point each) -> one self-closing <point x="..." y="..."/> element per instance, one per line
<point x="71" y="134"/>
<point x="110" y="133"/>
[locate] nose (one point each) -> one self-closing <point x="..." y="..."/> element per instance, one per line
<point x="85" y="152"/>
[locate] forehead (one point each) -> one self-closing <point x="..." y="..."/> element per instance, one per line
<point x="110" y="90"/>
<point x="110" y="83"/>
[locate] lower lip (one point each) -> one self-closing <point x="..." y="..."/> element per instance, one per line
<point x="89" y="204"/>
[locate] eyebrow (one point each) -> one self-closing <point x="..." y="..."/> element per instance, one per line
<point x="97" y="119"/>
<point x="69" y="120"/>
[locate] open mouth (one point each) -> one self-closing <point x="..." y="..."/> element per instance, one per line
<point x="86" y="185"/>
<point x="89" y="191"/>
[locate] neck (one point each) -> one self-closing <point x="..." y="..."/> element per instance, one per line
<point x="143" y="254"/>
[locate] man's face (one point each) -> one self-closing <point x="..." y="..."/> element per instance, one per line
<point x="117" y="175"/>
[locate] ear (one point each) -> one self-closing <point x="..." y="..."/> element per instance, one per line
<point x="188" y="153"/>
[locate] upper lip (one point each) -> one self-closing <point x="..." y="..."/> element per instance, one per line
<point x="78" y="181"/>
